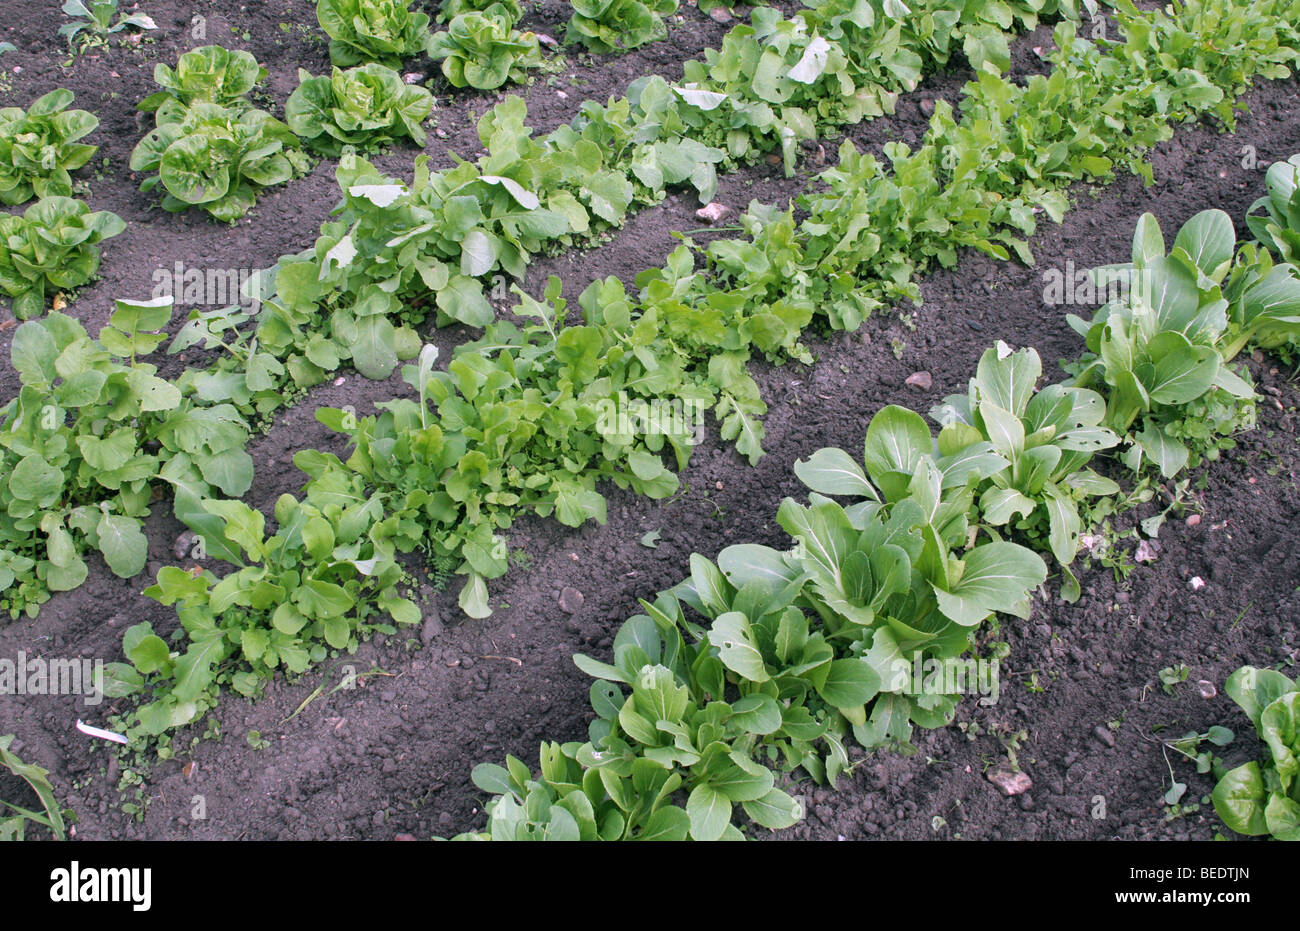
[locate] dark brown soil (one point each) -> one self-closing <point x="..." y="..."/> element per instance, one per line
<point x="394" y="755"/>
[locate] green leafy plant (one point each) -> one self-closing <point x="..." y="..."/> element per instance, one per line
<point x="592" y="174"/>
<point x="92" y="21"/>
<point x="1173" y="676"/>
<point x="483" y="50"/>
<point x="383" y="31"/>
<point x="618" y="25"/>
<point x="217" y="158"/>
<point x="323" y="579"/>
<point x="367" y="107"/>
<point x="1263" y="303"/>
<point x="51" y="247"/>
<point x="456" y="226"/>
<point x="773" y="82"/>
<point x="38" y="147"/>
<point x="14" y="826"/>
<point x="1158" y="348"/>
<point x="497" y="432"/>
<point x="90" y="432"/>
<point x="450" y="9"/>
<point x="796" y="651"/>
<point x="493" y="447"/>
<point x="1278" y="227"/>
<point x="1045" y="438"/>
<point x="211" y="74"/>
<point x="1264" y="797"/>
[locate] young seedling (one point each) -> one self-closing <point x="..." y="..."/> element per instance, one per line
<point x="1172" y="676"/>
<point x="92" y="20"/>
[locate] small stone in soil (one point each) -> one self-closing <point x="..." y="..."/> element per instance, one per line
<point x="720" y="14"/>
<point x="1104" y="735"/>
<point x="570" y="600"/>
<point x="1146" y="551"/>
<point x="920" y="380"/>
<point x="1206" y="688"/>
<point x="1196" y="583"/>
<point x="1193" y="520"/>
<point x="713" y="212"/>
<point x="184" y="542"/>
<point x="1011" y="783"/>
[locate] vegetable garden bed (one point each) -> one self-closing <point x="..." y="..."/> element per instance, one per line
<point x="378" y="737"/>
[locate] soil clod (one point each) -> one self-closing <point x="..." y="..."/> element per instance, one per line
<point x="1011" y="783"/>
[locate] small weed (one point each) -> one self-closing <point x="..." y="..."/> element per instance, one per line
<point x="1171" y="676"/>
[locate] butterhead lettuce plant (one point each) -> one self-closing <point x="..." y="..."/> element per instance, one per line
<point x="49" y="248"/>
<point x="384" y="31"/>
<point x="218" y="159"/>
<point x="618" y="25"/>
<point x="39" y="147"/>
<point x="450" y="9"/>
<point x="367" y="107"/>
<point x="1264" y="797"/>
<point x="211" y="74"/>
<point x="482" y="50"/>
